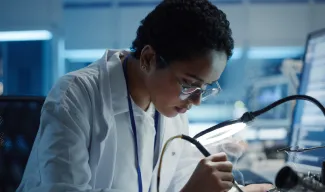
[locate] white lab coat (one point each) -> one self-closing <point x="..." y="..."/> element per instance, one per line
<point x="78" y="122"/>
<point x="78" y="126"/>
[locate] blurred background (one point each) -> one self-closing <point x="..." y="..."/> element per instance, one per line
<point x="43" y="40"/>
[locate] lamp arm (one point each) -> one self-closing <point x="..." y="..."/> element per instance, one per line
<point x="250" y="116"/>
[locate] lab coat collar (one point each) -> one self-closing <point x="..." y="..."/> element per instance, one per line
<point x="113" y="69"/>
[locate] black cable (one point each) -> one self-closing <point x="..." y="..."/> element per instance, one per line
<point x="198" y="145"/>
<point x="289" y="98"/>
<point x="205" y="152"/>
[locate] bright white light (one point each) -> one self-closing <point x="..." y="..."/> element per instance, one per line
<point x="221" y="134"/>
<point x="25" y="35"/>
<point x="274" y="52"/>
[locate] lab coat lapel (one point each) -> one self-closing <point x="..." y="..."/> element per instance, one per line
<point x="112" y="87"/>
<point x="104" y="127"/>
<point x="118" y="84"/>
<point x="113" y="84"/>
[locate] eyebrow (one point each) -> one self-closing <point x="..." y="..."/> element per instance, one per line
<point x="199" y="79"/>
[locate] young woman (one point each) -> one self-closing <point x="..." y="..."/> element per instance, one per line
<point x="103" y="127"/>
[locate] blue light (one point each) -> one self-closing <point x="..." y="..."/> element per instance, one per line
<point x="84" y="55"/>
<point x="210" y="112"/>
<point x="8" y="144"/>
<point x="25" y="35"/>
<point x="237" y="54"/>
<point x="275" y="52"/>
<point x="21" y="143"/>
<point x="90" y="55"/>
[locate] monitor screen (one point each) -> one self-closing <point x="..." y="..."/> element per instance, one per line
<point x="266" y="91"/>
<point x="308" y="125"/>
<point x="19" y="122"/>
<point x="269" y="94"/>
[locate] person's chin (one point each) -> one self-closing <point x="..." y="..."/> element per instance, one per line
<point x="173" y="112"/>
<point x="176" y="111"/>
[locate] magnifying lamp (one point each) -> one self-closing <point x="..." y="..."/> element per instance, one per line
<point x="221" y="133"/>
<point x="208" y="136"/>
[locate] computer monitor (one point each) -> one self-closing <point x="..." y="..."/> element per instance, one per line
<point x="19" y="123"/>
<point x="308" y="124"/>
<point x="266" y="91"/>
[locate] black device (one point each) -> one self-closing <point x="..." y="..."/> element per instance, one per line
<point x="19" y="123"/>
<point x="290" y="180"/>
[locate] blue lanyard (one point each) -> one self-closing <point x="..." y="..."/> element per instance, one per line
<point x="134" y="127"/>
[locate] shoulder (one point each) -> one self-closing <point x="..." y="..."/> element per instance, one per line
<point x="85" y="87"/>
<point x="78" y="87"/>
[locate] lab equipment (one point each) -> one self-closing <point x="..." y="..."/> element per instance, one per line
<point x="307" y="143"/>
<point x="289" y="180"/>
<point x="246" y="118"/>
<point x="308" y="124"/>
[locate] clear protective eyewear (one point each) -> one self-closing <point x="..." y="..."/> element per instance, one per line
<point x="205" y="92"/>
<point x="189" y="91"/>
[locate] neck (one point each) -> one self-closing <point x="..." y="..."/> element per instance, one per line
<point x="136" y="82"/>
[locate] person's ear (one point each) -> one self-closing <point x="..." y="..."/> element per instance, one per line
<point x="147" y="58"/>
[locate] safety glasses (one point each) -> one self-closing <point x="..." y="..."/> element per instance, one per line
<point x="192" y="92"/>
<point x="188" y="92"/>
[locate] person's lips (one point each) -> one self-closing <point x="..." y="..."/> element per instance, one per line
<point x="181" y="110"/>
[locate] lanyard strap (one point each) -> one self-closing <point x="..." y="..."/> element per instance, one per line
<point x="134" y="127"/>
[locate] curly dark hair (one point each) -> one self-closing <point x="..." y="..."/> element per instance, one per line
<point x="183" y="29"/>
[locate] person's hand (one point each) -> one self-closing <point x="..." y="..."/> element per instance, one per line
<point x="213" y="174"/>
<point x="257" y="187"/>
